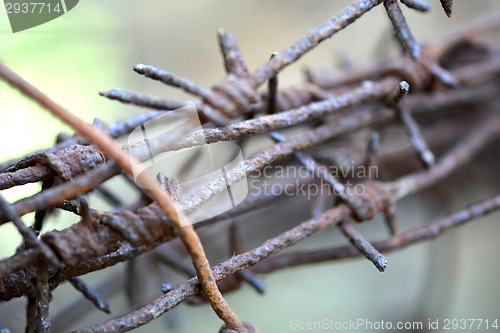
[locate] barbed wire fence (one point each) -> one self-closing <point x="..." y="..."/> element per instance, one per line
<point x="437" y="79"/>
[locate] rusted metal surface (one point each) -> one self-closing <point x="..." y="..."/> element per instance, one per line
<point x="409" y="42"/>
<point x="448" y="75"/>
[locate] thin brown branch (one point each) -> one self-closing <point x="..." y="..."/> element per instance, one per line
<point x="355" y="101"/>
<point x="465" y="150"/>
<point x="231" y="132"/>
<point x="124" y="253"/>
<point x="275" y="245"/>
<point x="257" y="126"/>
<point x="127" y="163"/>
<point x="270" y="247"/>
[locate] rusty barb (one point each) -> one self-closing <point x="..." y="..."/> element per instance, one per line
<point x="423" y="91"/>
<point x="238" y="91"/>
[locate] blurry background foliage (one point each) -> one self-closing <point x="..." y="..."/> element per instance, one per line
<point x="93" y="48"/>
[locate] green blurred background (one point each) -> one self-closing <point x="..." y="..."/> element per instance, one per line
<point x="93" y="48"/>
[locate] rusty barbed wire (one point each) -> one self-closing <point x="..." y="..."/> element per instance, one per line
<point x="441" y="79"/>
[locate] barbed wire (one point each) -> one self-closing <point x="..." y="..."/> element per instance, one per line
<point x="433" y="80"/>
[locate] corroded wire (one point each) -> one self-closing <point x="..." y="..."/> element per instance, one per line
<point x="409" y="42"/>
<point x="275" y="245"/>
<point x="419" y="5"/>
<point x="127" y="163"/>
<point x="100" y="234"/>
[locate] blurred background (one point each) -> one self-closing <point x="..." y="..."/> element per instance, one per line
<point x="93" y="48"/>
